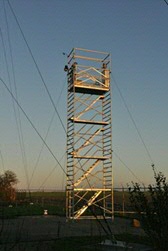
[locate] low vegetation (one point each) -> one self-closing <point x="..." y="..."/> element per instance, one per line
<point x="152" y="209"/>
<point x="8" y="180"/>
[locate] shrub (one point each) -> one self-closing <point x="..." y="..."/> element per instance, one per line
<point x="152" y="208"/>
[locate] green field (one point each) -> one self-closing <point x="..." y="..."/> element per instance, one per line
<point x="34" y="203"/>
<point x="29" y="204"/>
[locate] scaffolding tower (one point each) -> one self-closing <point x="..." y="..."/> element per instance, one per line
<point x="89" y="187"/>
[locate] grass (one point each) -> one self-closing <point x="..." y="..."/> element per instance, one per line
<point x="29" y="210"/>
<point x="29" y="204"/>
<point x="35" y="203"/>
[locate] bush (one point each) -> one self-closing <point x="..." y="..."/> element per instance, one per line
<point x="7" y="182"/>
<point x="152" y="208"/>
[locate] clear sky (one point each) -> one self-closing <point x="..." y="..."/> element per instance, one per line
<point x="134" y="32"/>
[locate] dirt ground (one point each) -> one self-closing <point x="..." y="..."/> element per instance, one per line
<point x="47" y="228"/>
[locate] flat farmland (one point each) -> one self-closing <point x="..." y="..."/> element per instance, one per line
<point x="23" y="225"/>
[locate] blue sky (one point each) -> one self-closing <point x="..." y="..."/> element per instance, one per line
<point x="135" y="33"/>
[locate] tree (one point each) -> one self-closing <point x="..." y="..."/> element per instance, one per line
<point x="152" y="208"/>
<point x="8" y="180"/>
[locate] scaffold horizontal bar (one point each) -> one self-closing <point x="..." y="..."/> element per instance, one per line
<point x="93" y="51"/>
<point x="92" y="189"/>
<point x="89" y="58"/>
<point x="89" y="121"/>
<point x="91" y="157"/>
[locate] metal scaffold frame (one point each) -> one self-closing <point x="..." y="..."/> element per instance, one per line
<point x="89" y="187"/>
